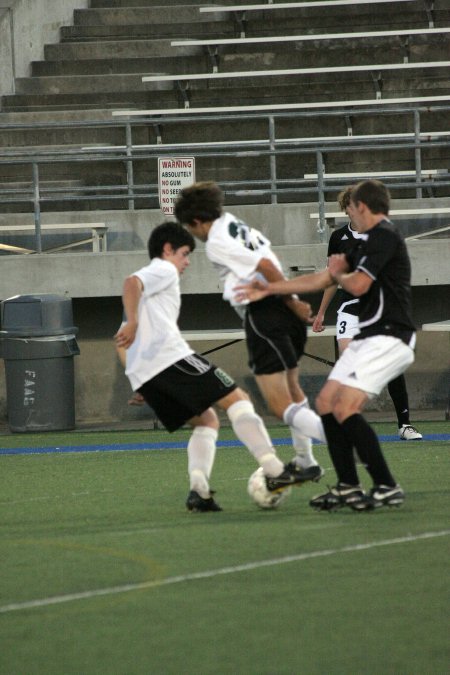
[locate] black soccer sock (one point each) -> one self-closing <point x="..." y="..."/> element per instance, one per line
<point x="399" y="395"/>
<point x="341" y="450"/>
<point x="368" y="448"/>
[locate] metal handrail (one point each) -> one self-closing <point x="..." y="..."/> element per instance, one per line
<point x="272" y="148"/>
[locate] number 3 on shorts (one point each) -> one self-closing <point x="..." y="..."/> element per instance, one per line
<point x="342" y="326"/>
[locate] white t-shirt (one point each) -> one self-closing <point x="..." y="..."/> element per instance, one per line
<point x="158" y="343"/>
<point x="235" y="250"/>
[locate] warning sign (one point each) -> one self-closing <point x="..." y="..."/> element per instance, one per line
<point x="174" y="173"/>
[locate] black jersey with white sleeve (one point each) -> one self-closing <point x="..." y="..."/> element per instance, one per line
<point x="386" y="307"/>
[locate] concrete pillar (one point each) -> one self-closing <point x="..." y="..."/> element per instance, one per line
<point x="25" y="27"/>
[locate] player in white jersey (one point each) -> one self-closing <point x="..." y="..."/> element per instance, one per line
<point x="180" y="385"/>
<point x="379" y="274"/>
<point x="346" y="240"/>
<point x="275" y="328"/>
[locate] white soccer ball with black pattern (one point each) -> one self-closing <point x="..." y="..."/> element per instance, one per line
<point x="257" y="489"/>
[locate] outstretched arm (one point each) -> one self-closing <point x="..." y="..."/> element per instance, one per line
<point x="270" y="272"/>
<point x="307" y="283"/>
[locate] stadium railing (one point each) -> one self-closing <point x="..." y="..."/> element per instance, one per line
<point x="332" y="217"/>
<point x="424" y="173"/>
<point x="98" y="236"/>
<point x="266" y="146"/>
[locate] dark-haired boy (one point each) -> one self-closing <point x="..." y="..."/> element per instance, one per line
<point x="180" y="385"/>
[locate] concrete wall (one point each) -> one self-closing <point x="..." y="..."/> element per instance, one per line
<point x="94" y="281"/>
<point x="288" y="226"/>
<point x="84" y="275"/>
<point x="25" y="27"/>
<point x="102" y="390"/>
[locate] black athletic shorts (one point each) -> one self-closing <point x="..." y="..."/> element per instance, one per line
<point x="185" y="390"/>
<point x="276" y="337"/>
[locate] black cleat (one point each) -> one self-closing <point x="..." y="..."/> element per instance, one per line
<point x="313" y="472"/>
<point x="292" y="475"/>
<point x="197" y="504"/>
<point x="385" y="495"/>
<point x="339" y="496"/>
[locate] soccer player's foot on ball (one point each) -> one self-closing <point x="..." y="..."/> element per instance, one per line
<point x="339" y="496"/>
<point x="409" y="433"/>
<point x="292" y="475"/>
<point x="197" y="504"/>
<point x="314" y="472"/>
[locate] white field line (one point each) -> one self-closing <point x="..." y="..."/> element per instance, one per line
<point x="208" y="574"/>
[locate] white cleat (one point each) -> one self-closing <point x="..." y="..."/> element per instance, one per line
<point x="409" y="433"/>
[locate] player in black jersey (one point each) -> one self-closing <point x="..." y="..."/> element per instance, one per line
<point x="346" y="240"/>
<point x="379" y="274"/>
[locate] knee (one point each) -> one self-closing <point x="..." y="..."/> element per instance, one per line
<point x="344" y="408"/>
<point x="339" y="412"/>
<point x="324" y="404"/>
<point x="278" y="403"/>
<point x="208" y="418"/>
<point x="240" y="395"/>
<point x="278" y="411"/>
<point x="296" y="392"/>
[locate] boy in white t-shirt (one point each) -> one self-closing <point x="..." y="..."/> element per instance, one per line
<point x="180" y="385"/>
<point x="275" y="329"/>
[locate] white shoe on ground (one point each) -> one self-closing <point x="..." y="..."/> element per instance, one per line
<point x="409" y="433"/>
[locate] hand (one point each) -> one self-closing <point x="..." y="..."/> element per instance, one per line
<point x="337" y="264"/>
<point x="318" y="326"/>
<point x="125" y="335"/>
<point x="300" y="308"/>
<point x="253" y="291"/>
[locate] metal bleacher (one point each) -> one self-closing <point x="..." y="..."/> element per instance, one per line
<point x="372" y="94"/>
<point x="383" y="86"/>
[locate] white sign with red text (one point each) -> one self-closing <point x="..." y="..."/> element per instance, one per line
<point x="174" y="173"/>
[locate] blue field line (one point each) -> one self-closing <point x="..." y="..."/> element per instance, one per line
<point x="177" y="445"/>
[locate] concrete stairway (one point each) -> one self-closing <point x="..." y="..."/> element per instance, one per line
<point x="98" y="65"/>
<point x="101" y="58"/>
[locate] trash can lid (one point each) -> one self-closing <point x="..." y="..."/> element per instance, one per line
<point x="37" y="315"/>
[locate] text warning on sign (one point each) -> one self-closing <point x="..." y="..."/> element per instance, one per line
<point x="174" y="173"/>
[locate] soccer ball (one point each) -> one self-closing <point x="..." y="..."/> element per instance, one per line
<point x="257" y="489"/>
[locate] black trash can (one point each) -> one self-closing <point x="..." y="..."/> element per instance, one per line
<point x="38" y="343"/>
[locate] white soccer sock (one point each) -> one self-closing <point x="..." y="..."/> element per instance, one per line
<point x="249" y="428"/>
<point x="305" y="420"/>
<point x="304" y="456"/>
<point x="201" y="452"/>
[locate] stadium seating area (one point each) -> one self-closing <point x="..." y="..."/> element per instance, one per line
<point x="139" y="74"/>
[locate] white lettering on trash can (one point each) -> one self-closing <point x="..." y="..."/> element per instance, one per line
<point x="29" y="389"/>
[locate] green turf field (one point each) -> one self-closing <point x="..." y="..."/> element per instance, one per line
<point x="127" y="582"/>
